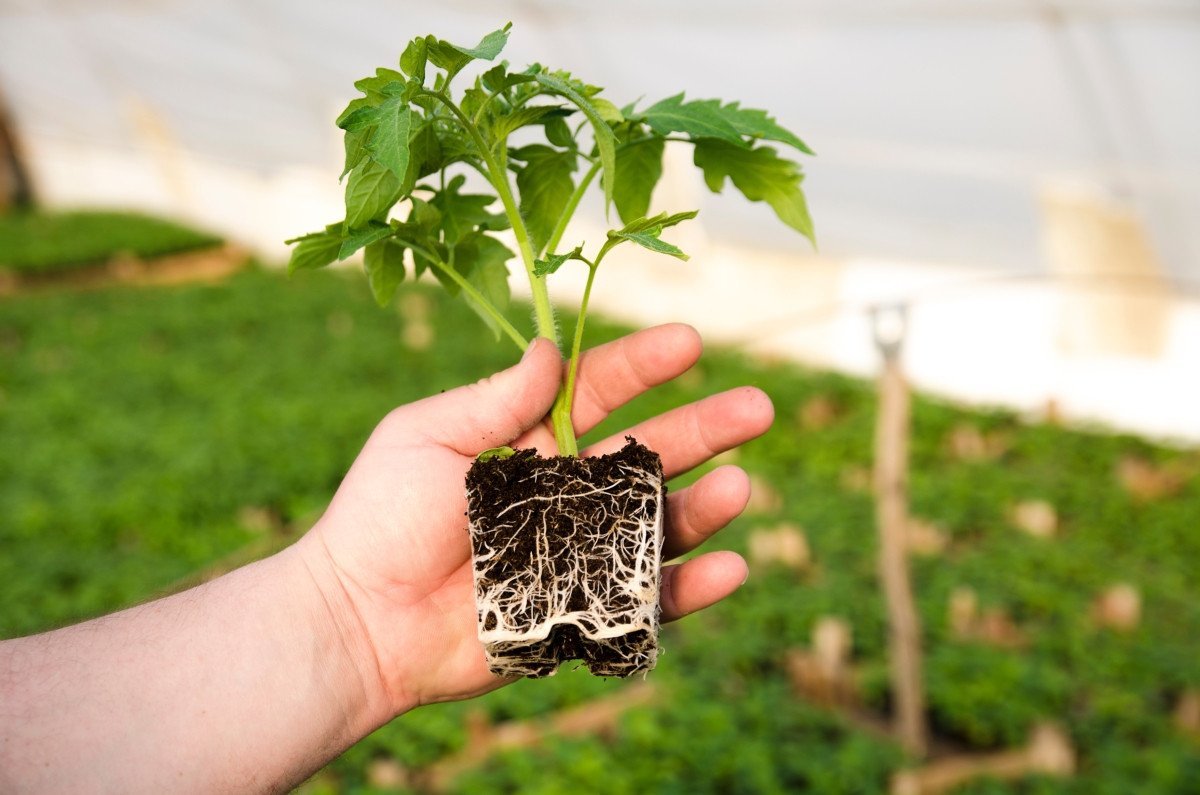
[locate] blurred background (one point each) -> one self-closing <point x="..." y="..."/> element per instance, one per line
<point x="1018" y="178"/>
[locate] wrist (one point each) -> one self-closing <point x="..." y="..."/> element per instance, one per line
<point x="338" y="628"/>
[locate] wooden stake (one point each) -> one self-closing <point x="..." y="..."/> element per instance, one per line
<point x="891" y="510"/>
<point x="16" y="190"/>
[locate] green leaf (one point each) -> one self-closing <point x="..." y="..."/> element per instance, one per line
<point x="657" y="223"/>
<point x="700" y="118"/>
<point x="558" y="133"/>
<point x="357" y="238"/>
<point x="504" y="126"/>
<point x="652" y="242"/>
<point x="426" y="155"/>
<point x="606" y="142"/>
<point x="315" y="250"/>
<point x="384" y="263"/>
<point x="412" y="60"/>
<point x="607" y="110"/>
<point x="485" y="260"/>
<point x="355" y="104"/>
<point x="355" y="144"/>
<point x="453" y="58"/>
<point x="761" y="175"/>
<point x="489" y="47"/>
<point x="498" y="79"/>
<point x="639" y="167"/>
<point x="545" y="185"/>
<point x="547" y="266"/>
<point x="389" y="144"/>
<point x="757" y="124"/>
<point x="463" y="213"/>
<point x="384" y="83"/>
<point x="371" y="191"/>
<point x="645" y="232"/>
<point x="445" y="55"/>
<point x="496" y="452"/>
<point x="360" y="119"/>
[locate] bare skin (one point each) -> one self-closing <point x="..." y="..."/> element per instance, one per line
<point x="253" y="681"/>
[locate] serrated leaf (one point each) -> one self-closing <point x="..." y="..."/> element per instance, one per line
<point x="545" y="185"/>
<point x="357" y="238"/>
<point x="355" y="144"/>
<point x="757" y="124"/>
<point x="315" y="250"/>
<point x="488" y="273"/>
<point x="761" y="175"/>
<point x="558" y="133"/>
<point x="639" y="167"/>
<point x="652" y="242"/>
<point x="552" y="262"/>
<point x="473" y="100"/>
<point x="383" y="261"/>
<point x="426" y="155"/>
<point x="489" y="47"/>
<point x="371" y="190"/>
<point x="445" y="55"/>
<point x="424" y="216"/>
<point x="606" y="142"/>
<point x="698" y="118"/>
<point x="504" y="126"/>
<point x="389" y="144"/>
<point x="463" y="213"/>
<point x="607" y="110"/>
<point x="361" y="118"/>
<point x="384" y="83"/>
<point x="355" y="104"/>
<point x="412" y="60"/>
<point x="656" y="223"/>
<point x="498" y="78"/>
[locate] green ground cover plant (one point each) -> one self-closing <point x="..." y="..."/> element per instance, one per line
<point x="52" y="241"/>
<point x="134" y="440"/>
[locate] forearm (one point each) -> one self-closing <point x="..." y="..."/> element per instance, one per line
<point x="242" y="685"/>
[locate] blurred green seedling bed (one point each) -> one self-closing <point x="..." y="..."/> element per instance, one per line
<point x="40" y="243"/>
<point x="152" y="433"/>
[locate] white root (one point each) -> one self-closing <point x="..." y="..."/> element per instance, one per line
<point x="598" y="573"/>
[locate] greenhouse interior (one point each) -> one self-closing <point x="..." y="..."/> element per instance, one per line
<point x="945" y="244"/>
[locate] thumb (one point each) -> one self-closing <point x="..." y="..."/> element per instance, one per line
<point x="494" y="411"/>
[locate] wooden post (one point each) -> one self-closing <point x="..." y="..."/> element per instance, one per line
<point x="889" y="325"/>
<point x="16" y="190"/>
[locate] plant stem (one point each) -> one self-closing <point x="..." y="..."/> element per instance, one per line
<point x="468" y="288"/>
<point x="543" y="311"/>
<point x="560" y="414"/>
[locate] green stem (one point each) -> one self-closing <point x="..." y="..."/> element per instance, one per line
<point x="564" y="433"/>
<point x="543" y="311"/>
<point x="560" y="414"/>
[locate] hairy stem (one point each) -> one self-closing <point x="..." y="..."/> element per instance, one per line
<point x="560" y="414"/>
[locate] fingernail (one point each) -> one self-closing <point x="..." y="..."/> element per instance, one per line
<point x="529" y="348"/>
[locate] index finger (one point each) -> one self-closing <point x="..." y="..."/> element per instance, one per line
<point x="613" y="374"/>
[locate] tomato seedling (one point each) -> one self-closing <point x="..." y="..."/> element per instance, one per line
<point x="408" y="140"/>
<point x="566" y="551"/>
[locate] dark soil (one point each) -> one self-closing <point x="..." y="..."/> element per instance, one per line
<point x="567" y="556"/>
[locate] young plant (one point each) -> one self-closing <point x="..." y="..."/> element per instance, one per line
<point x="539" y="138"/>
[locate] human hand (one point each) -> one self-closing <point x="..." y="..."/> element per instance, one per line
<point x="392" y="555"/>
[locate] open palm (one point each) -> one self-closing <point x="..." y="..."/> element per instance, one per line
<point x="395" y="533"/>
